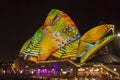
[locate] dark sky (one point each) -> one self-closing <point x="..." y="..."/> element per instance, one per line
<point x="19" y="19"/>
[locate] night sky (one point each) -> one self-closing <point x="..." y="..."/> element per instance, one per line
<point x="19" y="19"/>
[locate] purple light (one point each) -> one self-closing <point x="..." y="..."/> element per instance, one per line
<point x="55" y="66"/>
<point x="45" y="72"/>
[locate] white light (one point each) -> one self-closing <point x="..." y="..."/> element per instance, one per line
<point x="71" y="69"/>
<point x="96" y="69"/>
<point x="61" y="69"/>
<point x="81" y="69"/>
<point x="91" y="70"/>
<point x="101" y="68"/>
<point x="21" y="72"/>
<point x="32" y="72"/>
<point x="115" y="69"/>
<point x="64" y="72"/>
<point x="26" y="66"/>
<point x="4" y="71"/>
<point x="52" y="69"/>
<point x="118" y="34"/>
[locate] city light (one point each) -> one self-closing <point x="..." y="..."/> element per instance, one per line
<point x="61" y="69"/>
<point x="118" y="34"/>
<point x="64" y="72"/>
<point x="32" y="72"/>
<point x="81" y="69"/>
<point x="26" y="66"/>
<point x="71" y="69"/>
<point x="21" y="72"/>
<point x="115" y="69"/>
<point x="101" y="68"/>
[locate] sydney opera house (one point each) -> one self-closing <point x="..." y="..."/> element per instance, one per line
<point x="58" y="50"/>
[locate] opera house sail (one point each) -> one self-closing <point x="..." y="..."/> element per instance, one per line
<point x="57" y="31"/>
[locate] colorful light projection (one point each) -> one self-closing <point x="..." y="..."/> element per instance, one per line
<point x="59" y="37"/>
<point x="97" y="47"/>
<point x="96" y="33"/>
<point x="57" y="31"/>
<point x="68" y="51"/>
<point x="94" y="40"/>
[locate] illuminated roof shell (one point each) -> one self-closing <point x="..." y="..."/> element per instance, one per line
<point x="93" y="40"/>
<point x="57" y="31"/>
